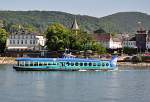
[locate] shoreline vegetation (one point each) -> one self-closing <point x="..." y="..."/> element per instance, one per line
<point x="11" y="60"/>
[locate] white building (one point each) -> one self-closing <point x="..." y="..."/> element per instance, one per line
<point x="23" y="40"/>
<point x="116" y="43"/>
<point x="129" y="42"/>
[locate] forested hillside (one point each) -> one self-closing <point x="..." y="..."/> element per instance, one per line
<point x="119" y="22"/>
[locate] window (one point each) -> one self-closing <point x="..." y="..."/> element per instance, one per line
<point x="33" y="41"/>
<point x="85" y="64"/>
<point x="30" y="41"/>
<point x="54" y="63"/>
<point x="94" y="64"/>
<point x="81" y="64"/>
<point x="99" y="64"/>
<point x="13" y="41"/>
<point x="31" y="63"/>
<point x="45" y="63"/>
<point x="107" y="64"/>
<point x="10" y="42"/>
<point x="25" y="41"/>
<point x="26" y="63"/>
<point x="40" y="63"/>
<point x="76" y="64"/>
<point x="68" y="63"/>
<point x="35" y="63"/>
<point x="21" y="41"/>
<point x="72" y="64"/>
<point x="18" y="42"/>
<point x="90" y="64"/>
<point x="103" y="64"/>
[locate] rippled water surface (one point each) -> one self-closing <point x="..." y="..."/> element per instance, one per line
<point x="116" y="86"/>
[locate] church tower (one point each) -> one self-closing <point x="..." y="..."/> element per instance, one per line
<point x="75" y="26"/>
<point x="141" y="38"/>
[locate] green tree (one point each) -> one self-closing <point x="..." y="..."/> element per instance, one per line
<point x="128" y="50"/>
<point x="1" y="24"/>
<point x="57" y="37"/>
<point x="15" y="27"/>
<point x="98" y="48"/>
<point x="30" y="28"/>
<point x="100" y="31"/>
<point x="3" y="38"/>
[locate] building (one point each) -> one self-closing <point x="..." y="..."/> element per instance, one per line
<point x="25" y="41"/>
<point x="116" y="43"/>
<point x="129" y="42"/>
<point x="108" y="41"/>
<point x="141" y="39"/>
<point x="104" y="39"/>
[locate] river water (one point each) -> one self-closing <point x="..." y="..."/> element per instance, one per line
<point x="112" y="86"/>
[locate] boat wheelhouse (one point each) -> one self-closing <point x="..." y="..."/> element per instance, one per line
<point x="64" y="64"/>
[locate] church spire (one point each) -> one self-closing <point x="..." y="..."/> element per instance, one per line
<point x="75" y="26"/>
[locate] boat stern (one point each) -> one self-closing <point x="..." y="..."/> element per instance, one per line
<point x="114" y="61"/>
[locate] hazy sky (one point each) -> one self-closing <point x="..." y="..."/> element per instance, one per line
<point x="96" y="8"/>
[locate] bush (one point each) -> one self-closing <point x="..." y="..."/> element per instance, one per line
<point x="136" y="59"/>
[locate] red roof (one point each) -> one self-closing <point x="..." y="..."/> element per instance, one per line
<point x="102" y="37"/>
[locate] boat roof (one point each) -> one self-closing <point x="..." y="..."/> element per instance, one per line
<point x="59" y="59"/>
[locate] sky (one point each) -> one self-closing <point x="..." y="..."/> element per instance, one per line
<point x="96" y="8"/>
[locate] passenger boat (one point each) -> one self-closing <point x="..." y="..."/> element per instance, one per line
<point x="64" y="64"/>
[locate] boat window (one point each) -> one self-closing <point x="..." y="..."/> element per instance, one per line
<point x="90" y="64"/>
<point x="94" y="64"/>
<point x="107" y="64"/>
<point x="98" y="64"/>
<point x="49" y="63"/>
<point x="54" y="63"/>
<point x="68" y="63"/>
<point x="35" y="63"/>
<point x="81" y="64"/>
<point x="26" y="63"/>
<point x="21" y="63"/>
<point x="85" y="64"/>
<point x="103" y="64"/>
<point x="18" y="63"/>
<point x="45" y="63"/>
<point x="40" y="63"/>
<point x="72" y="64"/>
<point x="31" y="63"/>
<point x="76" y="63"/>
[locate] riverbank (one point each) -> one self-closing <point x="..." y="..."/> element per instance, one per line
<point x="130" y="64"/>
<point x="7" y="60"/>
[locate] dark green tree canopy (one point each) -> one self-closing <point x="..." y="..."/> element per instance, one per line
<point x="56" y="35"/>
<point x="3" y="38"/>
<point x="100" y="31"/>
